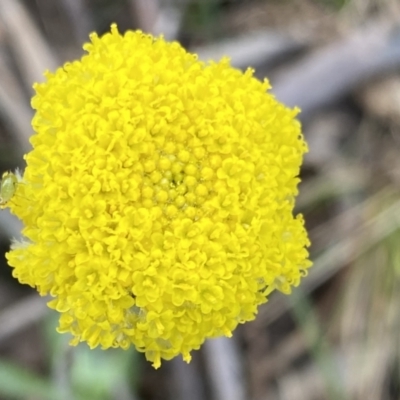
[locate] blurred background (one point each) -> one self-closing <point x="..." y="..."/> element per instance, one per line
<point x="337" y="336"/>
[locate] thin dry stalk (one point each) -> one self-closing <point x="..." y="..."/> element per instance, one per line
<point x="21" y="315"/>
<point x="224" y="366"/>
<point x="251" y="49"/>
<point x="10" y="227"/>
<point x="333" y="72"/>
<point x="187" y="380"/>
<point x="350" y="247"/>
<point x="79" y="15"/>
<point x="145" y="13"/>
<point x="31" y="51"/>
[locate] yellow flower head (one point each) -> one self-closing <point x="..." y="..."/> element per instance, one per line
<point x="158" y="197"/>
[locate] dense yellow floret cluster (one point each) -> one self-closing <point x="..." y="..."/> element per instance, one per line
<point x="158" y="197"/>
